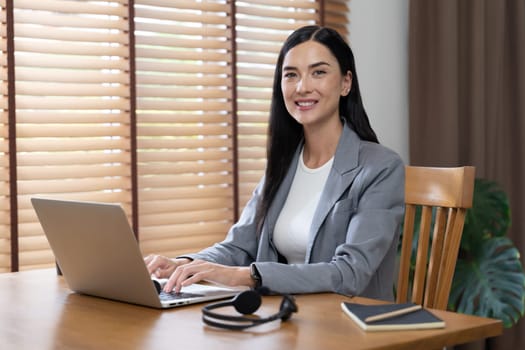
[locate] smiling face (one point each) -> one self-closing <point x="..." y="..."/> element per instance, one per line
<point x="312" y="84"/>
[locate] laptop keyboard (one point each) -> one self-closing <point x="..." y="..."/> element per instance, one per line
<point x="179" y="295"/>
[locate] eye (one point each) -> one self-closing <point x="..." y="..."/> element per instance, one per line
<point x="289" y="75"/>
<point x="319" y="72"/>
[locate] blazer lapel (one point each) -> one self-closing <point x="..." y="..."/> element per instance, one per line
<point x="341" y="176"/>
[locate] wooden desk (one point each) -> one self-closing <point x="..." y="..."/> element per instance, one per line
<point x="37" y="311"/>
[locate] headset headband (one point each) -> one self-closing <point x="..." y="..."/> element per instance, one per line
<point x="246" y="303"/>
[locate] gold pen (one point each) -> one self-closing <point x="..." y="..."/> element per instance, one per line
<point x="391" y="314"/>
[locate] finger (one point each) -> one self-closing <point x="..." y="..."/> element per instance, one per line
<point x="152" y="263"/>
<point x="148" y="258"/>
<point x="180" y="274"/>
<point x="171" y="284"/>
<point x="160" y="266"/>
<point x="196" y="277"/>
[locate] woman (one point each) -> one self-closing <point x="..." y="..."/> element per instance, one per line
<point x="326" y="216"/>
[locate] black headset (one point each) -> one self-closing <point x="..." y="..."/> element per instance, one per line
<point x="246" y="303"/>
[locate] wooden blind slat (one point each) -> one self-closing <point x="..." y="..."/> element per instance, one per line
<point x="78" y="7"/>
<point x="66" y="117"/>
<point x="85" y="76"/>
<point x="160" y="198"/>
<point x="64" y="34"/>
<point x="163" y="144"/>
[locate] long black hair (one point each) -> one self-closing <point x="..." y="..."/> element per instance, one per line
<point x="285" y="133"/>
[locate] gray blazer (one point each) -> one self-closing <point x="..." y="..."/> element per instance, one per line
<point x="354" y="233"/>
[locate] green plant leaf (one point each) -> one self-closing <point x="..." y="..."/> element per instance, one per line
<point x="488" y="217"/>
<point x="491" y="283"/>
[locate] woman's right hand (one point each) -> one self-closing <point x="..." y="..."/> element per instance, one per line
<point x="161" y="266"/>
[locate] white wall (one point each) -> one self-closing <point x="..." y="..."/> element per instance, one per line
<point x="379" y="39"/>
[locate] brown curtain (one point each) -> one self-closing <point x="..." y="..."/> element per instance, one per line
<point x="467" y="100"/>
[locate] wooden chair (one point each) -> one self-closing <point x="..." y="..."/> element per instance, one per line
<point x="448" y="193"/>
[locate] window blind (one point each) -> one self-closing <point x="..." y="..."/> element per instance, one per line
<point x="184" y="123"/>
<point x="193" y="110"/>
<point x="72" y="109"/>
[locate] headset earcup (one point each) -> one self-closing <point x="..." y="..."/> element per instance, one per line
<point x="288" y="306"/>
<point x="247" y="302"/>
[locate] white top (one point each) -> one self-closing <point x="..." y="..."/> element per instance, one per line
<point x="291" y="234"/>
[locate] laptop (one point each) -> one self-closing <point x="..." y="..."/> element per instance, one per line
<point x="98" y="255"/>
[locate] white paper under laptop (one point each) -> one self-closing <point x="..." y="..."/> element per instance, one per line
<point x="98" y="255"/>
